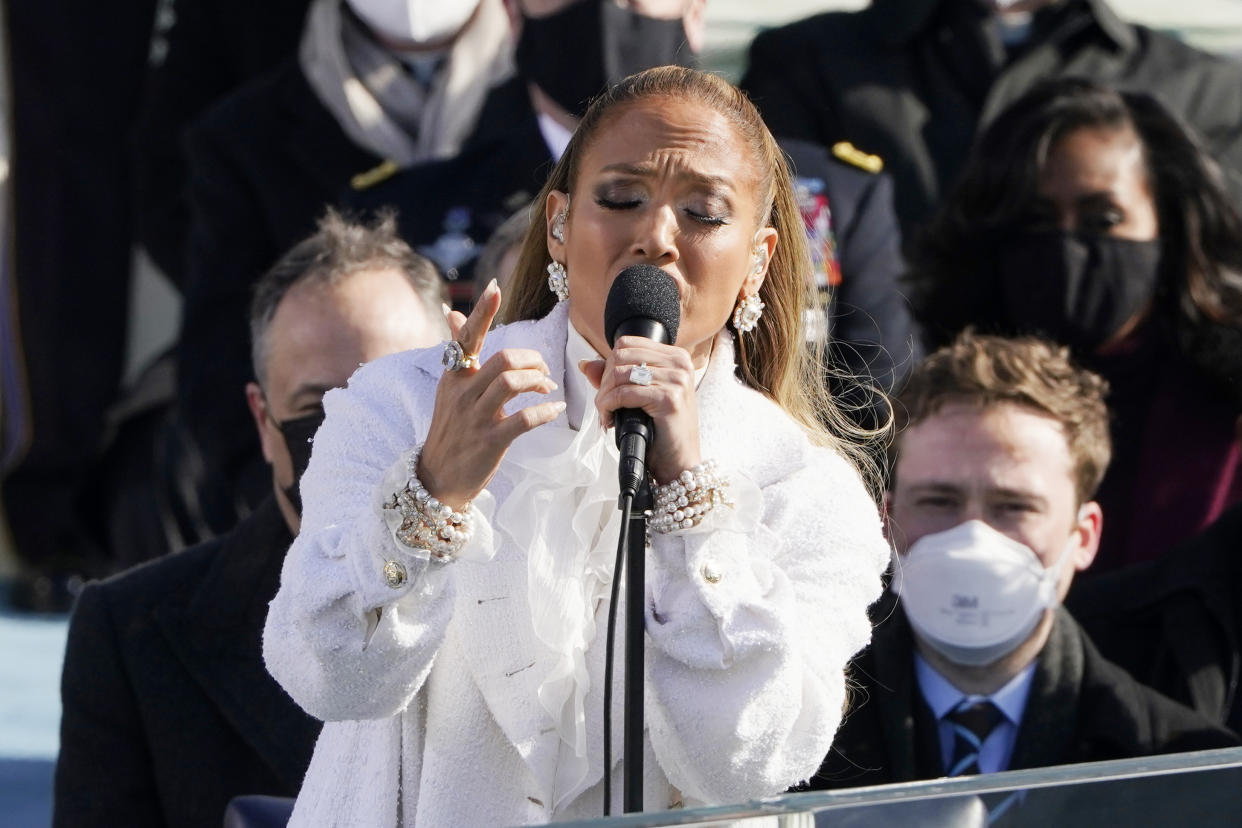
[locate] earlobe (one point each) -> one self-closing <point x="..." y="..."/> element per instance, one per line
<point x="1089" y="527"/>
<point x="556" y="219"/>
<point x="760" y="261"/>
<point x="257" y="403"/>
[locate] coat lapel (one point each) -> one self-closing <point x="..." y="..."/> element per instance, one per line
<point x="217" y="635"/>
<point x="492" y="613"/>
<point x="911" y="741"/>
<point x="1047" y="732"/>
<point x="316" y="140"/>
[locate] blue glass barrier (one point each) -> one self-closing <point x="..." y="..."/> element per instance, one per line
<point x="1194" y="789"/>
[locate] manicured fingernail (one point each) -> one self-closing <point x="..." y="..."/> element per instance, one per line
<point x="445" y="309"/>
<point x="582" y="364"/>
<point x="558" y="406"/>
<point x="491" y="288"/>
<point x="551" y="385"/>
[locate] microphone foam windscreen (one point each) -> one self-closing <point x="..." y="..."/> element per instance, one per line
<point x="642" y="292"/>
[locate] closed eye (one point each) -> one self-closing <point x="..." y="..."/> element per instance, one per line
<point x="710" y="220"/>
<point x="619" y="204"/>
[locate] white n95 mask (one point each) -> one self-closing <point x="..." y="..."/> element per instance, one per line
<point x="974" y="594"/>
<point x="418" y="21"/>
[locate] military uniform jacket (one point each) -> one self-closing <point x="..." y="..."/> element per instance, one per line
<point x="911" y="80"/>
<point x="168" y="711"/>
<point x="447" y="210"/>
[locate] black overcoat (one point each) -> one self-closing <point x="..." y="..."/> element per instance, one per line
<point x="168" y="711"/>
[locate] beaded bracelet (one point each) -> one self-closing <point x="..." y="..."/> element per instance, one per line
<point x="426" y="523"/>
<point x="684" y="502"/>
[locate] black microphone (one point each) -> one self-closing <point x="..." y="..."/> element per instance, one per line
<point x="643" y="301"/>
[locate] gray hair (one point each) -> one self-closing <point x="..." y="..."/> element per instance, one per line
<point x="339" y="248"/>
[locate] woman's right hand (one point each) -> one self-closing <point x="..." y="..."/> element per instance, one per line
<point x="470" y="432"/>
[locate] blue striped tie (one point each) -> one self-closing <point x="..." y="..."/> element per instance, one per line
<point x="972" y="722"/>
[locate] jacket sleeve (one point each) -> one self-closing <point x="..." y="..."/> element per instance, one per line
<point x="104" y="773"/>
<point x="751" y="626"/>
<point x="344" y="642"/>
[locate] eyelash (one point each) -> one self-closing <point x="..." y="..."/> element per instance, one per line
<point x="608" y="204"/>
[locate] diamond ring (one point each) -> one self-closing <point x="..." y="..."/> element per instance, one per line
<point x="455" y="357"/>
<point x="641" y="375"/>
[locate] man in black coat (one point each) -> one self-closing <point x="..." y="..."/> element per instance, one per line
<point x="912" y="80"/>
<point x="1175" y="622"/>
<point x="977" y="668"/>
<point x="168" y="711"/>
<point x="264" y="162"/>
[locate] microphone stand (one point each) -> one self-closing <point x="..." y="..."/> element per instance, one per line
<point x="635" y="628"/>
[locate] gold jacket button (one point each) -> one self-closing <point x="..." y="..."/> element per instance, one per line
<point x="394" y="574"/>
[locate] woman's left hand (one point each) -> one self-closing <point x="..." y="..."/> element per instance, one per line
<point x="669" y="400"/>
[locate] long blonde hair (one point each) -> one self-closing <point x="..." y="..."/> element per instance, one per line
<point x="776" y="358"/>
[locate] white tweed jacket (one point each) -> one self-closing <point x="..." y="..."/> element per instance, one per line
<point x="429" y="690"/>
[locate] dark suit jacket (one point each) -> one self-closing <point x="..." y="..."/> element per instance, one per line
<point x="1081" y="708"/>
<point x="1174" y="622"/>
<point x="168" y="710"/>
<point x="910" y="80"/>
<point x="873" y="332"/>
<point x="499" y="170"/>
<point x="264" y="163"/>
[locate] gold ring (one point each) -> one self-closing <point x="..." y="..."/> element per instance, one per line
<point x="455" y="357"/>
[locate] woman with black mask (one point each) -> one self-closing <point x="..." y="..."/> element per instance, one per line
<point x="1094" y="218"/>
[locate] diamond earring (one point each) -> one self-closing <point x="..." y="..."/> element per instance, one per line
<point x="757" y="261"/>
<point x="558" y="279"/>
<point x="746" y="315"/>
<point x="558" y="224"/>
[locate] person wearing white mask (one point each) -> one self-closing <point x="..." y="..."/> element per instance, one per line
<point x="976" y="667"/>
<point x="397" y="82"/>
<point x="565" y="53"/>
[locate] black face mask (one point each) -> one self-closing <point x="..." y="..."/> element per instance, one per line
<point x="1078" y="289"/>
<point x="575" y="53"/>
<point x="298" y="433"/>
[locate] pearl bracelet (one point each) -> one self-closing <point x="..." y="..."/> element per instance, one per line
<point x="684" y="502"/>
<point x="426" y="523"/>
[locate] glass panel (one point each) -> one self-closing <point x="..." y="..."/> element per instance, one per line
<point x="1180" y="789"/>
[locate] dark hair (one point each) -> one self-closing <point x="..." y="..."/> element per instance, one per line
<point x="1025" y="371"/>
<point x="339" y="248"/>
<point x="776" y="358"/>
<point x="953" y="264"/>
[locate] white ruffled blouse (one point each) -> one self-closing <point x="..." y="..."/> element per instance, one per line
<point x="473" y="692"/>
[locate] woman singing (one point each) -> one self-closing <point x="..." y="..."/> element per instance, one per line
<point x="444" y="607"/>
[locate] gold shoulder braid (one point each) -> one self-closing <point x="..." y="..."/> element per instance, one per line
<point x="852" y="155"/>
<point x="373" y="176"/>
